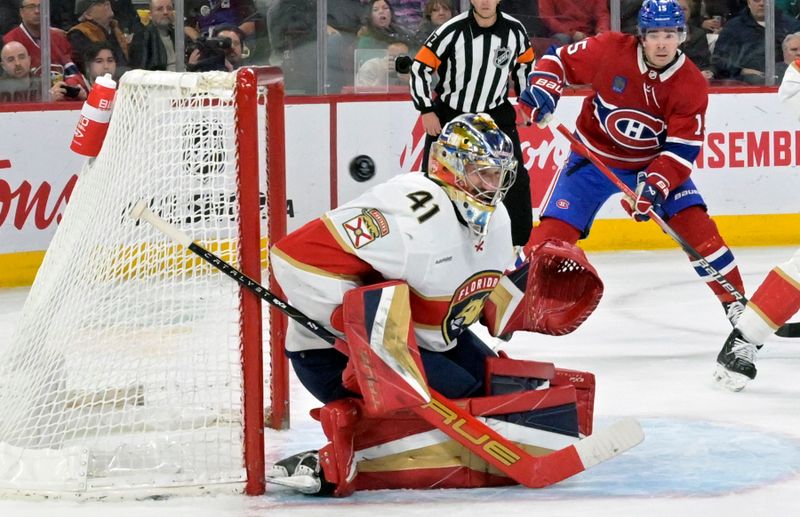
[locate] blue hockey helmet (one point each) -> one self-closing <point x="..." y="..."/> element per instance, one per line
<point x="661" y="14"/>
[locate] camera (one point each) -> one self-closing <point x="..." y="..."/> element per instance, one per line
<point x="71" y="91"/>
<point x="402" y="64"/>
<point x="212" y="53"/>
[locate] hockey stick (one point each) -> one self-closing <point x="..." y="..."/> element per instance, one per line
<point x="787" y="330"/>
<point x="461" y="426"/>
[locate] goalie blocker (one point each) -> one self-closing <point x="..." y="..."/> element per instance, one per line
<point x="387" y="439"/>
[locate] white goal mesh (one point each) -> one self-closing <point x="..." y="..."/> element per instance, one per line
<point x="125" y="371"/>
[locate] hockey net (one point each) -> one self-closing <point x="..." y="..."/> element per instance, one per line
<point x="135" y="368"/>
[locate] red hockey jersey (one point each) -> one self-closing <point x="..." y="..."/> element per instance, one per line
<point x="637" y="117"/>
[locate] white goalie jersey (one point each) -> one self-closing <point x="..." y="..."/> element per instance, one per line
<point x="405" y="229"/>
<point x="789" y="89"/>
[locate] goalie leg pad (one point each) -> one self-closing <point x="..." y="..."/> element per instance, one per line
<point x="402" y="450"/>
<point x="505" y="375"/>
<point x="584" y="383"/>
<point x="384" y="357"/>
<point x="339" y="420"/>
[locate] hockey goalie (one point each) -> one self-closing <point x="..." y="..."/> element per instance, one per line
<point x="412" y="397"/>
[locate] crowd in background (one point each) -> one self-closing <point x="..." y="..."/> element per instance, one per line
<point x="363" y="39"/>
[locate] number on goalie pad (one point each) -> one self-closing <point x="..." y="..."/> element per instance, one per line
<point x="403" y="450"/>
<point x="553" y="292"/>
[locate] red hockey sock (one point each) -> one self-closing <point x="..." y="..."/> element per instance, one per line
<point x="700" y="232"/>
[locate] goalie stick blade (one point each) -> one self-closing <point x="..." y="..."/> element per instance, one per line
<point x="609" y="442"/>
<point x="601" y="446"/>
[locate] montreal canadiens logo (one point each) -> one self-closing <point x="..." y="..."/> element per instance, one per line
<point x="634" y="129"/>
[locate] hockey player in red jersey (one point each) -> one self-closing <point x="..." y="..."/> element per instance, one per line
<point x="775" y="300"/>
<point x="645" y="120"/>
<point x="442" y="240"/>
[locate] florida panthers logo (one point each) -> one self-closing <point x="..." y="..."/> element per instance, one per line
<point x="631" y="128"/>
<point x="467" y="303"/>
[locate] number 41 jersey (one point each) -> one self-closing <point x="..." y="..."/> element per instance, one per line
<point x="405" y="229"/>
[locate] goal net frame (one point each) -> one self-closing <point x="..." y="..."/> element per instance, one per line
<point x="32" y="466"/>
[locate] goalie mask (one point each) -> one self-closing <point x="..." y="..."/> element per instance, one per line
<point x="474" y="163"/>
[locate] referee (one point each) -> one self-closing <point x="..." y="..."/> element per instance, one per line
<point x="473" y="54"/>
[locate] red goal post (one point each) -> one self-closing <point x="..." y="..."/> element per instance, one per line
<point x="135" y="369"/>
<point x="248" y="99"/>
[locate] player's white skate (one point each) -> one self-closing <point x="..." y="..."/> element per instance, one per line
<point x="736" y="362"/>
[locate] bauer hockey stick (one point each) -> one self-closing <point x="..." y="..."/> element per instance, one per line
<point x="458" y="424"/>
<point x="787" y="330"/>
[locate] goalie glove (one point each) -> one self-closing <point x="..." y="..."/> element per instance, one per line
<point x="553" y="292"/>
<point x="651" y="190"/>
<point x="540" y="98"/>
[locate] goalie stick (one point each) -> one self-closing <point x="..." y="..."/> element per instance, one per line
<point x="463" y="427"/>
<point x="788" y="330"/>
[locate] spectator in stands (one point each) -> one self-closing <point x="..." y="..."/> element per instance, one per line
<point x="435" y="13"/>
<point x="203" y="58"/>
<point x="380" y="71"/>
<point x="97" y="23"/>
<point x="28" y="33"/>
<point x="380" y="28"/>
<point x="711" y="15"/>
<point x="739" y="51"/>
<point x="790" y="7"/>
<point x="20" y="84"/>
<point x="574" y="20"/>
<point x="127" y="18"/>
<point x="9" y="15"/>
<point x="791" y="52"/>
<point x="629" y="16"/>
<point x="527" y="12"/>
<point x="100" y="60"/>
<point x="205" y="16"/>
<point x="408" y="13"/>
<point x="696" y="44"/>
<point x="293" y="33"/>
<point x="153" y="48"/>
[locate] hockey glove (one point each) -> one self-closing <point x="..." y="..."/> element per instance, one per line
<point x="539" y="100"/>
<point x="651" y="190"/>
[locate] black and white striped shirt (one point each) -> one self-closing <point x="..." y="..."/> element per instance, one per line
<point x="472" y="62"/>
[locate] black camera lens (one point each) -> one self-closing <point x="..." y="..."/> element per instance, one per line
<point x="402" y="64"/>
<point x="71" y="91"/>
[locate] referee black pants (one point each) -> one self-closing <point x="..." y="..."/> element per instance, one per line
<point x="518" y="198"/>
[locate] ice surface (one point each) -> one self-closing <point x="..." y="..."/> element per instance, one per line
<point x="652" y="344"/>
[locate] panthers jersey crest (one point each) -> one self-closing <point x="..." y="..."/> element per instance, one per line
<point x="467" y="303"/>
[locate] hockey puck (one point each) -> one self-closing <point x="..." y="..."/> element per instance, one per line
<point x="362" y="168"/>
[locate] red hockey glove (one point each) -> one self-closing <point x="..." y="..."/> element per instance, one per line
<point x="651" y="190"/>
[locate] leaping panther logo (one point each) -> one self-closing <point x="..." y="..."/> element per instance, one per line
<point x="467" y="303"/>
